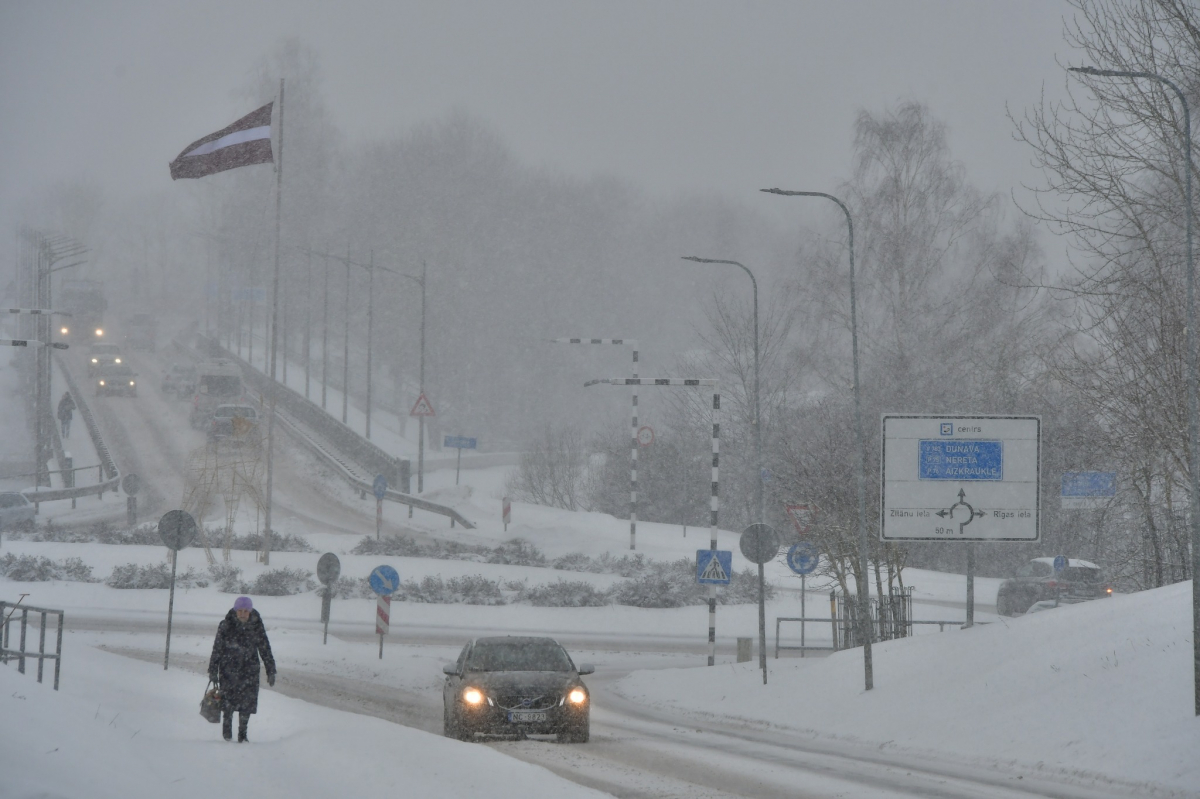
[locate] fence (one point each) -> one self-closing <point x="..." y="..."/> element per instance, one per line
<point x="6" y="653"/>
<point x="891" y="618"/>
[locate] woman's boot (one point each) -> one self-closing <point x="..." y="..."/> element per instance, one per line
<point x="243" y="723"/>
<point x="227" y="725"/>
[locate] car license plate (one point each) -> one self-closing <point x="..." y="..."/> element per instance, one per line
<point x="525" y="716"/>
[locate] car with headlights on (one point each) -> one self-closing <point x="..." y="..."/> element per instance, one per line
<point x="101" y="355"/>
<point x="516" y="686"/>
<point x="1037" y="582"/>
<point x="118" y="378"/>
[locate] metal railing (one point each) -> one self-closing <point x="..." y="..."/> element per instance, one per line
<point x="7" y="653"/>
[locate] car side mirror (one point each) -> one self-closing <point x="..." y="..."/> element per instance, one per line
<point x="451" y="669"/>
<point x="586" y="668"/>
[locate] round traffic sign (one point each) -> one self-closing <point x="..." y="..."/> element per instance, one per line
<point x="384" y="580"/>
<point x="379" y="487"/>
<point x="176" y="528"/>
<point x="759" y="543"/>
<point x="645" y="435"/>
<point x="802" y="558"/>
<point x="1060" y="563"/>
<point x="130" y="483"/>
<point x="329" y="568"/>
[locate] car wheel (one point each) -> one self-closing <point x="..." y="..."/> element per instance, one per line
<point x="1003" y="604"/>
<point x="449" y="728"/>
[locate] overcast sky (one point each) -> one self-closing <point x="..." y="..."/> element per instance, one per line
<point x="674" y="96"/>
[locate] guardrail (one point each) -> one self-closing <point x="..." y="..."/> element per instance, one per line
<point x="20" y="655"/>
<point x="111" y="477"/>
<point x="345" y="440"/>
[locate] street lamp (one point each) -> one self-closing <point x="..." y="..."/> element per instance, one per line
<point x="864" y="620"/>
<point x="757" y="416"/>
<point x="1193" y="425"/>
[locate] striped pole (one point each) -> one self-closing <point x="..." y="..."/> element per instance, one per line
<point x="715" y="499"/>
<point x="383" y="612"/>
<point x="633" y="449"/>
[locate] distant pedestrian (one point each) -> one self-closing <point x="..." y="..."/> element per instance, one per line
<point x="233" y="667"/>
<point x="66" y="407"/>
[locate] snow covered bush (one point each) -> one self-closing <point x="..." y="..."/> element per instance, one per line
<point x="133" y="575"/>
<point x="284" y="581"/>
<point x="396" y="545"/>
<point x="31" y="568"/>
<point x="468" y="590"/>
<point x="565" y="594"/>
<point x="517" y="552"/>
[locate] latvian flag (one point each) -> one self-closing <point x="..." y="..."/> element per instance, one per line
<point x="245" y="142"/>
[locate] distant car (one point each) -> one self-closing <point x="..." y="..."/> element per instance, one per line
<point x="16" y="512"/>
<point x="218" y="382"/>
<point x="118" y="378"/>
<point x="235" y="424"/>
<point x="180" y="380"/>
<point x="516" y="686"/>
<point x="141" y="330"/>
<point x="101" y="355"/>
<point x="1036" y="581"/>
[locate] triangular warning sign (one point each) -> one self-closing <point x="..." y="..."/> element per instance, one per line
<point x="422" y="407"/>
<point x="713" y="570"/>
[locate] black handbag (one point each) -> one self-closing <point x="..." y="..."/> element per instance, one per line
<point x="210" y="705"/>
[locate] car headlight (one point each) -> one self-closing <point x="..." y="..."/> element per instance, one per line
<point x="64" y="331"/>
<point x="577" y="696"/>
<point x="117" y="360"/>
<point x="94" y="360"/>
<point x="472" y="696"/>
<point x="101" y="382"/>
<point x="99" y="332"/>
<point x="131" y="382"/>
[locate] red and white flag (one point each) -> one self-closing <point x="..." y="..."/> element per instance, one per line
<point x="245" y="142"/>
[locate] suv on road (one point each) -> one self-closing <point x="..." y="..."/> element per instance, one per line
<point x="1036" y="581"/>
<point x="218" y="382"/>
<point x="101" y="355"/>
<point x="117" y="378"/>
<point x="234" y="424"/>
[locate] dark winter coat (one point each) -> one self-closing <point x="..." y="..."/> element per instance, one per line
<point x="66" y="406"/>
<point x="234" y="662"/>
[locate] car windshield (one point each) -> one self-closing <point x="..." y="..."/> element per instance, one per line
<point x="518" y="656"/>
<point x="106" y="349"/>
<point x="117" y="371"/>
<point x="222" y="385"/>
<point x="12" y="501"/>
<point x="1081" y="574"/>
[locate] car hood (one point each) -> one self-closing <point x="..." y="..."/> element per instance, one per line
<point x="522" y="682"/>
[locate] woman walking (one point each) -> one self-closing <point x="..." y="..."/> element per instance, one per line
<point x="233" y="667"/>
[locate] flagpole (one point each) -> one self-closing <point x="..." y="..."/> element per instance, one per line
<point x="274" y="326"/>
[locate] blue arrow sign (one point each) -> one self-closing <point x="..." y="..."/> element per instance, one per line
<point x="714" y="566"/>
<point x="1060" y="563"/>
<point x="384" y="580"/>
<point x="458" y="442"/>
<point x="379" y="487"/>
<point x="802" y="558"/>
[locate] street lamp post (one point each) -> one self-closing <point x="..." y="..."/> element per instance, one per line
<point x="864" y="619"/>
<point x="51" y="251"/>
<point x="757" y="414"/>
<point x="1193" y="424"/>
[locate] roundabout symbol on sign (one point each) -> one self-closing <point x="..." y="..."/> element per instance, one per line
<point x="802" y="558"/>
<point x="645" y="435"/>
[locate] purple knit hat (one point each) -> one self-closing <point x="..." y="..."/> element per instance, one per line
<point x="242" y="603"/>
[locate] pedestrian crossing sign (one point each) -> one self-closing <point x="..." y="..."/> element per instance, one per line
<point x="714" y="566"/>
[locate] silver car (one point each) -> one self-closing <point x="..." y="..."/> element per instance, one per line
<point x="16" y="512"/>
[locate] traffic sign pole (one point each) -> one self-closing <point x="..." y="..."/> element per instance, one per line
<point x="378" y="517"/>
<point x="176" y="529"/>
<point x="970" y="585"/>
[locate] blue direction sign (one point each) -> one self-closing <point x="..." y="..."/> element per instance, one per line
<point x="379" y="487"/>
<point x="802" y="558"/>
<point x="458" y="442"/>
<point x="964" y="459"/>
<point x="384" y="580"/>
<point x="1088" y="489"/>
<point x="714" y="566"/>
<point x="1060" y="563"/>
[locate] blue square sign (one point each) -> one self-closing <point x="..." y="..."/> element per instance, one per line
<point x="714" y="566"/>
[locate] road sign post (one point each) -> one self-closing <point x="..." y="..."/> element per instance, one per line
<point x="130" y="484"/>
<point x="961" y="478"/>
<point x="384" y="581"/>
<point x="176" y="528"/>
<point x="802" y="558"/>
<point x="420" y="409"/>
<point x="506" y="512"/>
<point x="760" y="544"/>
<point x="329" y="568"/>
<point x="379" y="489"/>
<point x="460" y="443"/>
